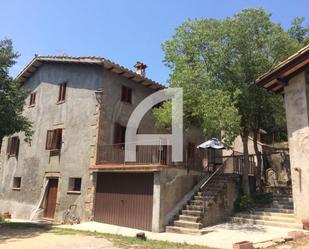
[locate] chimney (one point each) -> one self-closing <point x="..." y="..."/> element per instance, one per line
<point x="140" y="68"/>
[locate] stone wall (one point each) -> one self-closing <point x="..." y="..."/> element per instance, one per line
<point x="174" y="184"/>
<point x="223" y="205"/>
<point x="296" y="95"/>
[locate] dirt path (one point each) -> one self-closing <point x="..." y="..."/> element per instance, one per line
<point x="31" y="238"/>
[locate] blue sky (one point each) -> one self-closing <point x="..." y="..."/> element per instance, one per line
<point x="119" y="30"/>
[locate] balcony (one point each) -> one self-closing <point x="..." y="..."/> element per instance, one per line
<point x="149" y="157"/>
<point x="154" y="157"/>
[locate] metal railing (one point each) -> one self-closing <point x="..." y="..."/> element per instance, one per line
<point x="198" y="159"/>
<point x="213" y="178"/>
<point x="238" y="164"/>
<point x="152" y="154"/>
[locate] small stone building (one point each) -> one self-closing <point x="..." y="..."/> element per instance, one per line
<point x="79" y="108"/>
<point x="291" y="79"/>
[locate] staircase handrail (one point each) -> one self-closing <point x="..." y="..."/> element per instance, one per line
<point x="217" y="170"/>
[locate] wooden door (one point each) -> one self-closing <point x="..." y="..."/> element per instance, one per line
<point x="124" y="199"/>
<point x="51" y="198"/>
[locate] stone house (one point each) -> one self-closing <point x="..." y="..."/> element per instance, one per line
<point x="79" y="107"/>
<point x="291" y="79"/>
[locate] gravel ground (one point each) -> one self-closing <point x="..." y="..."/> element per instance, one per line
<point x="32" y="238"/>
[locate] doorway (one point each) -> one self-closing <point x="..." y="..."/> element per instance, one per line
<point x="51" y="198"/>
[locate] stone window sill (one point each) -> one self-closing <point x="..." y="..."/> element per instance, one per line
<point x="16" y="189"/>
<point x="73" y="192"/>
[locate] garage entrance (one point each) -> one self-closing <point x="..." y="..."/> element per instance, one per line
<point x="124" y="199"/>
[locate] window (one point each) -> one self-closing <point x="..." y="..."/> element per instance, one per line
<point x="191" y="150"/>
<point x="54" y="139"/>
<point x="13" y="146"/>
<point x="32" y="99"/>
<point x="16" y="182"/>
<point x="75" y="184"/>
<point x="119" y="134"/>
<point x="62" y="92"/>
<point x="126" y="94"/>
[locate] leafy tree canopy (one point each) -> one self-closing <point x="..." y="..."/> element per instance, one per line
<point x="216" y="63"/>
<point x="12" y="96"/>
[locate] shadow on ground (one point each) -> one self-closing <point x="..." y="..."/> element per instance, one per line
<point x="15" y="231"/>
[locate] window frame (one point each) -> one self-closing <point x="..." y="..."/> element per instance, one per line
<point x="62" y="92"/>
<point x="126" y="94"/>
<point x="72" y="185"/>
<point x="54" y="139"/>
<point x="13" y="146"/>
<point x="32" y="99"/>
<point x="14" y="187"/>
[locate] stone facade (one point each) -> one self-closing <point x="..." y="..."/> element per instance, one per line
<point x="87" y="124"/>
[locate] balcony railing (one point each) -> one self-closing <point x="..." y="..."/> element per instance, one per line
<point x="152" y="154"/>
<point x="238" y="163"/>
<point x="198" y="159"/>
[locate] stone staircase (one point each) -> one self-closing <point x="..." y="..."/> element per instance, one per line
<point x="280" y="214"/>
<point x="190" y="219"/>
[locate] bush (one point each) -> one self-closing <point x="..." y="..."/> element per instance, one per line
<point x="243" y="203"/>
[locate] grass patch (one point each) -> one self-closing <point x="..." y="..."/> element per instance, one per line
<point x="24" y="225"/>
<point x="129" y="242"/>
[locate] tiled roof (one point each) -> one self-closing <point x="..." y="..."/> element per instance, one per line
<point x="276" y="78"/>
<point x="37" y="61"/>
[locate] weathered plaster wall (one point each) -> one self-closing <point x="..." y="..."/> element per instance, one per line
<point x="77" y="116"/>
<point x="296" y="102"/>
<point x="223" y="204"/>
<point x="174" y="184"/>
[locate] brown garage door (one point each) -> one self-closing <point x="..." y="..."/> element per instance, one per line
<point x="124" y="199"/>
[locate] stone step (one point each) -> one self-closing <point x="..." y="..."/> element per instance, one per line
<point x="183" y="230"/>
<point x="281" y="206"/>
<point x="196" y="213"/>
<point x="205" y="198"/>
<point x="283" y="202"/>
<point x="275" y="210"/>
<point x="276" y="214"/>
<point x="196" y="202"/>
<point x="189" y="218"/>
<point x="195" y="207"/>
<point x="282" y="198"/>
<point x="266" y="223"/>
<point x="266" y="217"/>
<point x="188" y="224"/>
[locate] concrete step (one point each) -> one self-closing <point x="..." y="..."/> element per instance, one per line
<point x="266" y="217"/>
<point x="285" y="199"/>
<point x="189" y="218"/>
<point x="266" y="223"/>
<point x="275" y="210"/>
<point x="183" y="230"/>
<point x="196" y="213"/>
<point x="283" y="202"/>
<point x="276" y="214"/>
<point x="196" y="202"/>
<point x="281" y="206"/>
<point x="195" y="207"/>
<point x="188" y="224"/>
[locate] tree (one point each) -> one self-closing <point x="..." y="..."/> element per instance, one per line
<point x="216" y="62"/>
<point x="298" y="32"/>
<point x="12" y="96"/>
